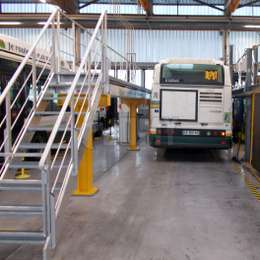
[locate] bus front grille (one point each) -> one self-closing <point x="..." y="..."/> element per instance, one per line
<point x="211" y="97"/>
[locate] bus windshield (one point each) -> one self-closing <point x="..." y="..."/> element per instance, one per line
<point x="197" y="74"/>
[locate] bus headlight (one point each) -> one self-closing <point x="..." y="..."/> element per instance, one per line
<point x="229" y="133"/>
<point x="152" y="131"/>
<point x="223" y="133"/>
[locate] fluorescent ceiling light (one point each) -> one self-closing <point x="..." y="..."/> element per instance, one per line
<point x="252" y="26"/>
<point x="43" y="23"/>
<point x="9" y="23"/>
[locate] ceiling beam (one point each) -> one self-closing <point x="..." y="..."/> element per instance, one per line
<point x="164" y="22"/>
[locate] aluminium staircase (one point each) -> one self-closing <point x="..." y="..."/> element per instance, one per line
<point x="62" y="108"/>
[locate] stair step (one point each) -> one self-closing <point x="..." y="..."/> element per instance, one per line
<point x="20" y="185"/>
<point x="29" y="165"/>
<point x="21" y="210"/>
<point x="48" y="113"/>
<point x="37" y="146"/>
<point x="45" y="129"/>
<point x="49" y="98"/>
<point x="21" y="154"/>
<point x="67" y="84"/>
<point x="25" y="165"/>
<point x="22" y="237"/>
<point x="51" y="113"/>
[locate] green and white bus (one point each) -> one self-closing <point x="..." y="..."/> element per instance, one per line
<point x="191" y="104"/>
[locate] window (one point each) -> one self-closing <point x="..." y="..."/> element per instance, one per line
<point x="197" y="74"/>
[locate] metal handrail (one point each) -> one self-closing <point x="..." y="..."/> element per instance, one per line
<point x="103" y="43"/>
<point x="90" y="34"/>
<point x="70" y="95"/>
<point x="27" y="57"/>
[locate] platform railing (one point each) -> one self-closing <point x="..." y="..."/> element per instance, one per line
<point x="125" y="64"/>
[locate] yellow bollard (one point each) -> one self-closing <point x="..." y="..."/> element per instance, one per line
<point x="132" y="141"/>
<point x="133" y="104"/>
<point x="22" y="174"/>
<point x="85" y="185"/>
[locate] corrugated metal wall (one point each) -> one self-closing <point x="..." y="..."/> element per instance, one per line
<point x="27" y="8"/>
<point x="154" y="45"/>
<point x="243" y="40"/>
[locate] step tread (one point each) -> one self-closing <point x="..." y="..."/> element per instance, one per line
<point x="29" y="165"/>
<point x="22" y="154"/>
<point x="24" y="164"/>
<point x="40" y="146"/>
<point x="22" y="237"/>
<point x="43" y="113"/>
<point x="45" y="129"/>
<point x="24" y="185"/>
<point x="21" y="209"/>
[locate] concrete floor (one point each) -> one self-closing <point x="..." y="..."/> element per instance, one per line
<point x="174" y="205"/>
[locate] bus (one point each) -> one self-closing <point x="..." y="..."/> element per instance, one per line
<point x="191" y="104"/>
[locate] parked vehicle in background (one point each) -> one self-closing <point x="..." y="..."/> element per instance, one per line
<point x="191" y="104"/>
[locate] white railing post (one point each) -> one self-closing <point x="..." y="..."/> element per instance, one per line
<point x="58" y="42"/>
<point x="7" y="131"/>
<point x="34" y="87"/>
<point x="74" y="148"/>
<point x="54" y="67"/>
<point x="74" y="46"/>
<point x="104" y="68"/>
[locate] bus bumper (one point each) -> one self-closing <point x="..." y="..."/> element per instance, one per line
<point x="190" y="142"/>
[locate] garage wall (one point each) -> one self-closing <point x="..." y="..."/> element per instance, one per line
<point x="154" y="45"/>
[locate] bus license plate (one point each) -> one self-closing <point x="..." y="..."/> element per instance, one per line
<point x="190" y="132"/>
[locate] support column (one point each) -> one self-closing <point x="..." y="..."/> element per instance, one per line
<point x="77" y="54"/>
<point x="85" y="185"/>
<point x="255" y="64"/>
<point x="143" y="78"/>
<point x="231" y="62"/>
<point x="225" y="46"/>
<point x="248" y="83"/>
<point x="133" y="104"/>
<point x="85" y="179"/>
<point x="133" y="130"/>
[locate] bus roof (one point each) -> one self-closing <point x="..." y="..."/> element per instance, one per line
<point x="13" y="49"/>
<point x="191" y="61"/>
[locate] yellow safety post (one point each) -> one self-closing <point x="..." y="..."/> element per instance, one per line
<point x="85" y="184"/>
<point x="133" y="129"/>
<point x="22" y="174"/>
<point x="133" y="104"/>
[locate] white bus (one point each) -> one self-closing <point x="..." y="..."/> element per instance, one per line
<point x="191" y="104"/>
